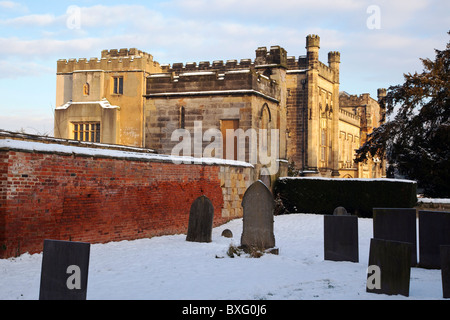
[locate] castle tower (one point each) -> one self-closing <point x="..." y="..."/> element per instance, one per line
<point x="312" y="51"/>
<point x="312" y="57"/>
<point x="334" y="60"/>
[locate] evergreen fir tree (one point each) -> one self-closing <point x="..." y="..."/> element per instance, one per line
<point x="416" y="141"/>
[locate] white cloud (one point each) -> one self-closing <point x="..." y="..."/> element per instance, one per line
<point x="33" y="20"/>
<point x="11" y="5"/>
<point x="14" y="69"/>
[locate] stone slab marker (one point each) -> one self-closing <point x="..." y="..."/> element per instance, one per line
<point x="200" y="220"/>
<point x="445" y="271"/>
<point x="340" y="211"/>
<point x="341" y="238"/>
<point x="258" y="205"/>
<point x="389" y="267"/>
<point x="64" y="273"/>
<point x="396" y="224"/>
<point x="434" y="231"/>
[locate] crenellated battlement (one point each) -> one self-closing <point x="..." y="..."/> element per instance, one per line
<point x="190" y="82"/>
<point x="312" y="40"/>
<point x="217" y="65"/>
<point x="112" y="60"/>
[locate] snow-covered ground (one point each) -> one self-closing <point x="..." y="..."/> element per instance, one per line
<point x="169" y="268"/>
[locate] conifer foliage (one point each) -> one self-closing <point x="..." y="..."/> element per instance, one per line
<point x="416" y="140"/>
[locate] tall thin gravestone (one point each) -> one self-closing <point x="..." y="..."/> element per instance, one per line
<point x="201" y="219"/>
<point x="64" y="273"/>
<point x="434" y="232"/>
<point x="390" y="262"/>
<point x="445" y="270"/>
<point x="396" y="224"/>
<point x="258" y="205"/>
<point x="341" y="238"/>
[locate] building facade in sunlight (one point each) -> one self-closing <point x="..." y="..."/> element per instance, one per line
<point x="293" y="104"/>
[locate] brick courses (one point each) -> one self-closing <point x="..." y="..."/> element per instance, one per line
<point x="74" y="197"/>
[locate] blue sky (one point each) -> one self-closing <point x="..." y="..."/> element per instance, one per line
<point x="379" y="41"/>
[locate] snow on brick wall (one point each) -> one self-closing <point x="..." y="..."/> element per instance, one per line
<point x="54" y="195"/>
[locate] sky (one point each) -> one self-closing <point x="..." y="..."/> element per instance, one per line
<point x="378" y="41"/>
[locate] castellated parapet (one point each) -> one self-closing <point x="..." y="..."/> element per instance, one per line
<point x="212" y="82"/>
<point x="112" y="60"/>
<point x="312" y="40"/>
<point x="334" y="57"/>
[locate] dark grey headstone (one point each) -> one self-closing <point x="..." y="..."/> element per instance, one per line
<point x="445" y="270"/>
<point x="393" y="260"/>
<point x="227" y="233"/>
<point x="434" y="231"/>
<point x="341" y="238"/>
<point x="200" y="220"/>
<point x="340" y="211"/>
<point x="64" y="273"/>
<point x="258" y="205"/>
<point x="396" y="224"/>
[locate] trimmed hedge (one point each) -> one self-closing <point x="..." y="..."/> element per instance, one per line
<point x="358" y="196"/>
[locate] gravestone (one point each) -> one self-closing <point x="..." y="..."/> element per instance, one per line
<point x="434" y="231"/>
<point x="341" y="238"/>
<point x="258" y="205"/>
<point x="445" y="270"/>
<point x="340" y="211"/>
<point x="227" y="233"/>
<point x="392" y="262"/>
<point x="396" y="224"/>
<point x="64" y="272"/>
<point x="200" y="220"/>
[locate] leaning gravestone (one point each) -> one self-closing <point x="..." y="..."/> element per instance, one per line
<point x="200" y="220"/>
<point x="389" y="267"/>
<point x="445" y="270"/>
<point x="258" y="205"/>
<point x="396" y="224"/>
<point x="64" y="273"/>
<point x="434" y="231"/>
<point x="341" y="238"/>
<point x="340" y="211"/>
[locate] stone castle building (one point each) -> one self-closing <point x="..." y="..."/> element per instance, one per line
<point x="128" y="98"/>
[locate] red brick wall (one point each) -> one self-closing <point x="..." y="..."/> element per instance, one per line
<point x="97" y="200"/>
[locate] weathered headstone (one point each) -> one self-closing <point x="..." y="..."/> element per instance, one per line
<point x="389" y="267"/>
<point x="64" y="273"/>
<point x="258" y="205"/>
<point x="200" y="220"/>
<point x="445" y="270"/>
<point x="340" y="211"/>
<point x="434" y="231"/>
<point x="227" y="233"/>
<point x="396" y="224"/>
<point x="341" y="238"/>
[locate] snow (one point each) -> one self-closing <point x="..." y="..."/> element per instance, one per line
<point x="68" y="149"/>
<point x="170" y="268"/>
<point x="434" y="200"/>
<point x="104" y="103"/>
<point x="347" y="179"/>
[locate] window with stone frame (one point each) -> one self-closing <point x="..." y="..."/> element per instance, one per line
<point x="86" y="131"/>
<point x="118" y="85"/>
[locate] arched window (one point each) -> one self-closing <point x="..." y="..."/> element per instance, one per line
<point x="86" y="88"/>
<point x="182" y="117"/>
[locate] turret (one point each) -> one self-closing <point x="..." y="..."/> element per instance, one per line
<point x="334" y="59"/>
<point x="312" y="50"/>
